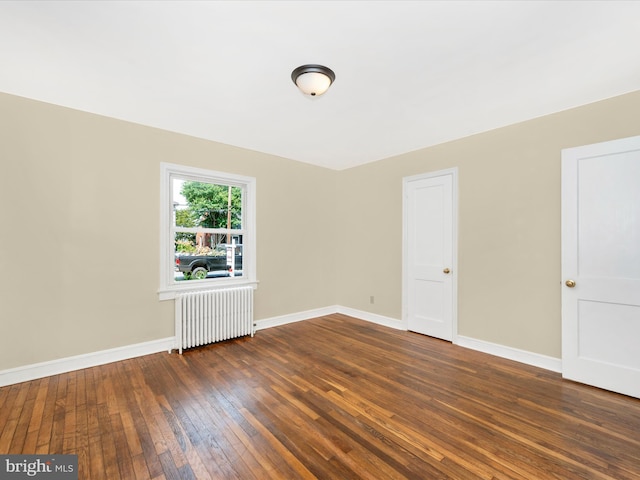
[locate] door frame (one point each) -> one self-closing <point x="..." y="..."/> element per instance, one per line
<point x="454" y="247"/>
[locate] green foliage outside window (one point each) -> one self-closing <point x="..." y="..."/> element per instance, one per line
<point x="208" y="205"/>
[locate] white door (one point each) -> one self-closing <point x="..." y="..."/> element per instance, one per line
<point x="601" y="265"/>
<point x="429" y="254"/>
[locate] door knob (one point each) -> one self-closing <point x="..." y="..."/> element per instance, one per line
<point x="446" y="270"/>
<point x="570" y="283"/>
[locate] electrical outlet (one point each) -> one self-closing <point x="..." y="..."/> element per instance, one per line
<point x="371" y="299"/>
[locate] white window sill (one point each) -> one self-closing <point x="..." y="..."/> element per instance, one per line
<point x="169" y="293"/>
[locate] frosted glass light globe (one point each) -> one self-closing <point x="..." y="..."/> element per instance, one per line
<point x="313" y="83"/>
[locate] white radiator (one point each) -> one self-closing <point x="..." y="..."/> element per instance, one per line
<point x="213" y="315"/>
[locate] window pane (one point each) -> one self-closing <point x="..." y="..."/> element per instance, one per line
<point x="206" y="255"/>
<point x="207" y="205"/>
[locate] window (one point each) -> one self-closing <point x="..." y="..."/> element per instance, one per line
<point x="207" y="228"/>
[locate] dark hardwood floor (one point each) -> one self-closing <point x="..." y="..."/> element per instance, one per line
<point x="329" y="398"/>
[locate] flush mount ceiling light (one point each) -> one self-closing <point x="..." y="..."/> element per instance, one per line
<point x="313" y="80"/>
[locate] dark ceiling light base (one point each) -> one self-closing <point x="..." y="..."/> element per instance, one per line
<point x="313" y="79"/>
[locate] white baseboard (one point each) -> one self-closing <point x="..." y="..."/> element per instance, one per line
<point x="373" y="318"/>
<point x="68" y="364"/>
<point x="319" y="312"/>
<point x="87" y="360"/>
<point x="294" y="317"/>
<point x="522" y="356"/>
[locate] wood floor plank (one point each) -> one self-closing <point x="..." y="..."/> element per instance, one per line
<point x="31" y="440"/>
<point x="140" y="467"/>
<point x="108" y="435"/>
<point x="57" y="423"/>
<point x="11" y="415"/>
<point x="332" y="397"/>
<point x="123" y="457"/>
<point x="70" y="415"/>
<point x="22" y="425"/>
<point x="46" y="425"/>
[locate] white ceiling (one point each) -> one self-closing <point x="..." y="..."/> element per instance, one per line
<point x="408" y="74"/>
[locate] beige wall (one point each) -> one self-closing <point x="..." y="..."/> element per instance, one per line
<point x="79" y="244"/>
<point x="509" y="223"/>
<point x="80" y="230"/>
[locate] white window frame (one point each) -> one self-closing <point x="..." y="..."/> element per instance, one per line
<point x="169" y="287"/>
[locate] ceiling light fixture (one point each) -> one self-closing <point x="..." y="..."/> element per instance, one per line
<point x="313" y="80"/>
